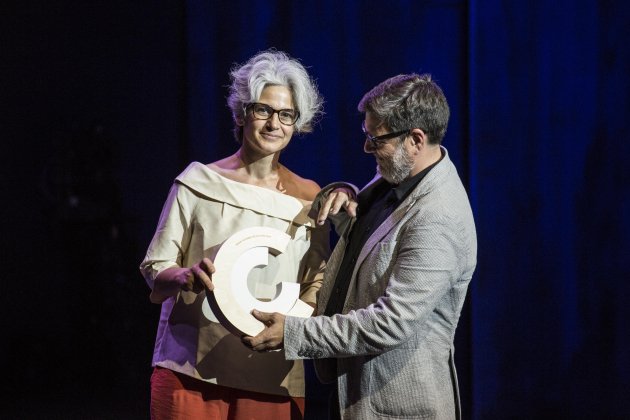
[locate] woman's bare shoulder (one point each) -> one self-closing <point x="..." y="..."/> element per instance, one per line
<point x="227" y="167"/>
<point x="303" y="188"/>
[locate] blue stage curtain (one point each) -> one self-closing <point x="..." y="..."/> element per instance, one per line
<point x="105" y="102"/>
<point x="539" y="95"/>
<point x="549" y="149"/>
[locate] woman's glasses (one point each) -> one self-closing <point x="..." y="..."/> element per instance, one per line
<point x="264" y="112"/>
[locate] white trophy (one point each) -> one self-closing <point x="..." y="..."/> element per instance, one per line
<point x="231" y="300"/>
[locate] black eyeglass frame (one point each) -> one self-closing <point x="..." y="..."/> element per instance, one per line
<point x="379" y="140"/>
<point x="273" y="111"/>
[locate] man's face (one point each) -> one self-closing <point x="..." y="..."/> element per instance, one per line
<point x="392" y="157"/>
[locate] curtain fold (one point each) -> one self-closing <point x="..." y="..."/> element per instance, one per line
<point x="538" y="94"/>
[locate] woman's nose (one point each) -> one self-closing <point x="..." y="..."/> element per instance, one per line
<point x="274" y="121"/>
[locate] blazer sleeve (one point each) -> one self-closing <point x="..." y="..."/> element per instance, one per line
<point x="426" y="264"/>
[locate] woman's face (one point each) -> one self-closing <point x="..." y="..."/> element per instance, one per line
<point x="269" y="136"/>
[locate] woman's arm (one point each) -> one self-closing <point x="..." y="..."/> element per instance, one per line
<point x="170" y="281"/>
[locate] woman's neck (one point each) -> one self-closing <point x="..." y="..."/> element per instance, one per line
<point x="258" y="167"/>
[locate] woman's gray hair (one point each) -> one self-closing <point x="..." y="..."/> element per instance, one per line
<point x="274" y="68"/>
<point x="409" y="101"/>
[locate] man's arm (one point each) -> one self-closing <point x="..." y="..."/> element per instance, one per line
<point x="425" y="266"/>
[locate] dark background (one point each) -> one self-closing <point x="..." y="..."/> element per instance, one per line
<point x="103" y="103"/>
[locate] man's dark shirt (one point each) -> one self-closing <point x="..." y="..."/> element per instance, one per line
<point x="375" y="204"/>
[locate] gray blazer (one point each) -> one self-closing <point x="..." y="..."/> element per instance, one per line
<point x="391" y="349"/>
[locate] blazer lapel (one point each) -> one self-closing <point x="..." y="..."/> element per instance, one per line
<point x="397" y="216"/>
<point x="330" y="274"/>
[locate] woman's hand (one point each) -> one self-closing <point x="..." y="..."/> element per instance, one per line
<point x="197" y="277"/>
<point x="170" y="281"/>
<point x="337" y="198"/>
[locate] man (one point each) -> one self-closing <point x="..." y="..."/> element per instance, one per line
<point x="396" y="282"/>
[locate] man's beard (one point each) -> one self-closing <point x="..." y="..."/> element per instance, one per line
<point x="396" y="167"/>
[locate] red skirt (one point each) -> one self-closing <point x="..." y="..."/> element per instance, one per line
<point x="178" y="396"/>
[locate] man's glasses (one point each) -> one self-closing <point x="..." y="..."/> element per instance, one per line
<point x="264" y="112"/>
<point x="377" y="141"/>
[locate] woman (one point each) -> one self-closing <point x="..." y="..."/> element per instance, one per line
<point x="200" y="369"/>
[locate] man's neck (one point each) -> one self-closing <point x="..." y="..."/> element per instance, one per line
<point x="430" y="155"/>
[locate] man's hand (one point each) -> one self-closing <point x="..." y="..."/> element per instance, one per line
<point x="338" y="198"/>
<point x="272" y="337"/>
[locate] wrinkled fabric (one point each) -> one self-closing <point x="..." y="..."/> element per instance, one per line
<point x="203" y="209"/>
<point x="177" y="396"/>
